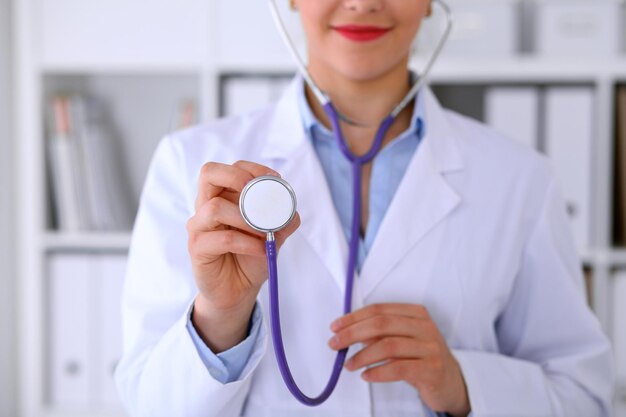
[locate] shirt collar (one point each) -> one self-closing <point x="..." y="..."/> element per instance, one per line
<point x="311" y="124"/>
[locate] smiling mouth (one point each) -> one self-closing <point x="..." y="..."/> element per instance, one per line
<point x="359" y="33"/>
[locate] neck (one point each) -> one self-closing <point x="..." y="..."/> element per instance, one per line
<point x="366" y="102"/>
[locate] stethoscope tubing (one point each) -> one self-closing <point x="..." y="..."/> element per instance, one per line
<point x="357" y="163"/>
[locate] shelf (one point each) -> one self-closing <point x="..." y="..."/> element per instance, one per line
<point x="120" y="69"/>
<point x="611" y="258"/>
<point x="524" y="69"/>
<point x="617" y="257"/>
<point x="485" y="70"/>
<point x="86" y="241"/>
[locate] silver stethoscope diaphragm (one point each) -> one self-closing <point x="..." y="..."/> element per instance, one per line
<point x="267" y="204"/>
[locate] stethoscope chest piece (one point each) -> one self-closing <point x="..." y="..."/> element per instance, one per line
<point x="267" y="204"/>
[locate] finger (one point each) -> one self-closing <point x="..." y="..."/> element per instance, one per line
<point x="232" y="196"/>
<point x="256" y="170"/>
<point x="282" y="235"/>
<point x="396" y="370"/>
<point x="219" y="242"/>
<point x="409" y="310"/>
<point x="216" y="213"/>
<point x="216" y="177"/>
<point x="377" y="326"/>
<point x="390" y="348"/>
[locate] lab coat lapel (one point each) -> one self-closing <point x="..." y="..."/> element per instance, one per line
<point x="293" y="155"/>
<point x="422" y="201"/>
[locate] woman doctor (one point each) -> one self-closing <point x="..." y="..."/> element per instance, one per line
<point x="468" y="298"/>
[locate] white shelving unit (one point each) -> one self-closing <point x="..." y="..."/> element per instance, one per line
<point x="144" y="56"/>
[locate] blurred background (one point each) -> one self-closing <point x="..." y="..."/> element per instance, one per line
<point x="87" y="89"/>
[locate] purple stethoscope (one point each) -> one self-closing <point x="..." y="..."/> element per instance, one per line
<point x="268" y="204"/>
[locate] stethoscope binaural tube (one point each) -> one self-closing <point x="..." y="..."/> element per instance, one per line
<point x="287" y="194"/>
<point x="323" y="99"/>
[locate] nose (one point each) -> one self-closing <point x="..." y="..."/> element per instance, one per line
<point x="363" y="6"/>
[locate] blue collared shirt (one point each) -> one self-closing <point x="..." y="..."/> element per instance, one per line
<point x="388" y="169"/>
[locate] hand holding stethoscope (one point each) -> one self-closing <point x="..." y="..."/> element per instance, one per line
<point x="227" y="256"/>
<point x="229" y="265"/>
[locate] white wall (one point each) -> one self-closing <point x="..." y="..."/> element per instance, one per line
<point x="7" y="195"/>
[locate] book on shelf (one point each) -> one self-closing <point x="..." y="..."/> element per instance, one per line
<point x="187" y="114"/>
<point x="62" y="157"/>
<point x="89" y="188"/>
<point x="620" y="170"/>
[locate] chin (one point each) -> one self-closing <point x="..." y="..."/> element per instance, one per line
<point x="367" y="69"/>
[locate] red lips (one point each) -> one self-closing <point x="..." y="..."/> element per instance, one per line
<point x="360" y="33"/>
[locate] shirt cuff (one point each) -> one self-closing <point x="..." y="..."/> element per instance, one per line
<point x="227" y="366"/>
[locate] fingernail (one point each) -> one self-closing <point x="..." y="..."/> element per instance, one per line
<point x="333" y="341"/>
<point x="273" y="174"/>
<point x="334" y="326"/>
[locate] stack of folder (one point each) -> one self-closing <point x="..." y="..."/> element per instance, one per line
<point x="89" y="188"/>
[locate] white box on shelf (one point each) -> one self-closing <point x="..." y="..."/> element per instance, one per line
<point x="242" y="94"/>
<point x="481" y="28"/>
<point x="569" y="131"/>
<point x="579" y="27"/>
<point x="117" y="33"/>
<point x="514" y="111"/>
<point x="71" y="366"/>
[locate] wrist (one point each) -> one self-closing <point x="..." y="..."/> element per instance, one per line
<point x="461" y="406"/>
<point x="221" y="329"/>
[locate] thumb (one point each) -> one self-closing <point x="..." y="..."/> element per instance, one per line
<point x="282" y="235"/>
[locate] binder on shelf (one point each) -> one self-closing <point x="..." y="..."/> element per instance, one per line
<point x="588" y="276"/>
<point x="110" y="279"/>
<point x="85" y="329"/>
<point x="514" y="111"/>
<point x="620" y="170"/>
<point x="619" y="324"/>
<point x="70" y="354"/>
<point x="568" y="143"/>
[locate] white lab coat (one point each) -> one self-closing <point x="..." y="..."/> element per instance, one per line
<point x="477" y="232"/>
